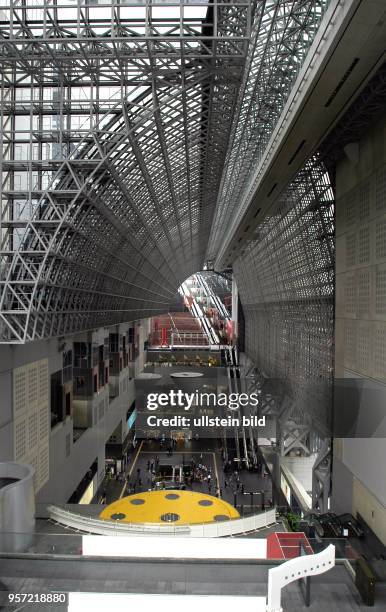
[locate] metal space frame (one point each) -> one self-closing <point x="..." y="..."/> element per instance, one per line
<point x="123" y="123"/>
<point x="281" y="35"/>
<point x="115" y="123"/>
<point x="286" y="281"/>
<point x="130" y="130"/>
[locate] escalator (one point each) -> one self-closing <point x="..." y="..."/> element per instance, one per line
<point x="240" y="447"/>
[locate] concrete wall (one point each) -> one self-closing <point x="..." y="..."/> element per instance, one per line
<point x="11" y="358"/>
<point x="342" y="487"/>
<point x="359" y="483"/>
<point x="301" y="468"/>
<point x="67" y="471"/>
<point x="68" y="460"/>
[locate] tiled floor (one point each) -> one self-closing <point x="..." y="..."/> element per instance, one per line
<point x="208" y="453"/>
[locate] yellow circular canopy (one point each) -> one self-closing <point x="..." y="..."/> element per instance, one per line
<point x="169" y="507"/>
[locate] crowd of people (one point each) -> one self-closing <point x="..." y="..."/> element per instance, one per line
<point x="202" y="474"/>
<point x="193" y="474"/>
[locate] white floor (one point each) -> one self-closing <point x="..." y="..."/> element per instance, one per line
<point x="100" y="602"/>
<point x="159" y="547"/>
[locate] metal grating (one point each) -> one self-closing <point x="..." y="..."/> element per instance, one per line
<point x="286" y="284"/>
<point x="116" y="120"/>
<point x="281" y="34"/>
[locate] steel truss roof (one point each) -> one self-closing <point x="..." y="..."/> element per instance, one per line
<point x="122" y="125"/>
<point x="281" y="34"/>
<point x="102" y="223"/>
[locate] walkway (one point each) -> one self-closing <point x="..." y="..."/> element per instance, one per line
<point x="335" y="589"/>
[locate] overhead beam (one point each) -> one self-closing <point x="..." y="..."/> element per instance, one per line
<point x="347" y="48"/>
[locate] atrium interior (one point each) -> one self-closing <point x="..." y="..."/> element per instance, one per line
<point x="192" y="304"/>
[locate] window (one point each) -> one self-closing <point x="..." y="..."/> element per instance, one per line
<point x="114" y="343"/>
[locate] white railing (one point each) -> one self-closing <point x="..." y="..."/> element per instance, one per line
<point x="296" y="569"/>
<point x="232" y="527"/>
<point x="183" y="338"/>
<point x="235" y="526"/>
<point x="199" y="315"/>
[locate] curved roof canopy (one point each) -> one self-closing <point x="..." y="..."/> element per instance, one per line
<point x="128" y="131"/>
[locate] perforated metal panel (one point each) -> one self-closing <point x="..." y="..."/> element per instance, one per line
<point x="43" y="381"/>
<point x="364" y="349"/>
<point x="31" y="418"/>
<point x="32" y="385"/>
<point x="19" y="391"/>
<point x="364" y="245"/>
<point x="380" y="351"/>
<point x="364" y="201"/>
<point x="350" y="294"/>
<point x="364" y="287"/>
<point x="43" y="422"/>
<point x="286" y="284"/>
<point x="351" y="247"/>
<point x="350" y="344"/>
<point x="43" y="465"/>
<point x="380" y="239"/>
<point x="361" y="276"/>
<point x="380" y="292"/>
<point x="32" y="431"/>
<point x="351" y="208"/>
<point x="20" y="438"/>
<point x="380" y="189"/>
